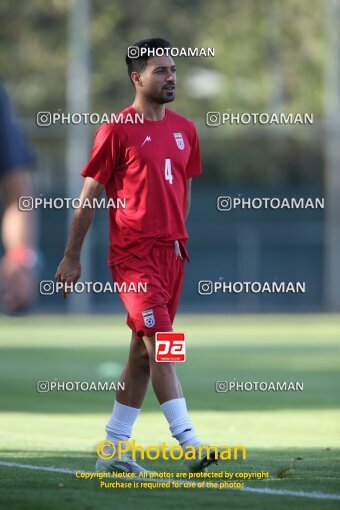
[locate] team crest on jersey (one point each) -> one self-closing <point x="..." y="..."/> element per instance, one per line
<point x="149" y="318"/>
<point x="179" y="140"/>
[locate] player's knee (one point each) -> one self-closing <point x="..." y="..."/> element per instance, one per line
<point x="163" y="368"/>
<point x="139" y="356"/>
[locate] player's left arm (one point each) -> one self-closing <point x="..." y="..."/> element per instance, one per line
<point x="188" y="201"/>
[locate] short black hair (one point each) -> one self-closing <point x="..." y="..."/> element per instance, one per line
<point x="138" y="64"/>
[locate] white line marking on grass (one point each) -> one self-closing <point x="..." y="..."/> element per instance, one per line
<point x="51" y="469"/>
<point x="284" y="492"/>
<point x="273" y="492"/>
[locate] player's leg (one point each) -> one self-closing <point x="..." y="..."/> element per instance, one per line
<point x="136" y="373"/>
<point x="135" y="376"/>
<point x="173" y="405"/>
<point x="169" y="393"/>
<point x="164" y="379"/>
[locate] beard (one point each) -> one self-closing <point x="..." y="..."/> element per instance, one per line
<point x="164" y="96"/>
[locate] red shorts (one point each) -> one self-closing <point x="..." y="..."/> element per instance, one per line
<point x="162" y="271"/>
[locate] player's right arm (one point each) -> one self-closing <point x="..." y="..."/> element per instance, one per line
<point x="69" y="269"/>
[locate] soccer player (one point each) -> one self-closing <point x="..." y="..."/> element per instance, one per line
<point x="151" y="165"/>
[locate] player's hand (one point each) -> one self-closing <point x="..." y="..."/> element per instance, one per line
<point x="17" y="286"/>
<point x="69" y="271"/>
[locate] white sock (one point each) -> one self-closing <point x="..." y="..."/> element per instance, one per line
<point x="119" y="426"/>
<point x="180" y="425"/>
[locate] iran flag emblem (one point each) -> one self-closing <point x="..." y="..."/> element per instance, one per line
<point x="149" y="318"/>
<point x="179" y="140"/>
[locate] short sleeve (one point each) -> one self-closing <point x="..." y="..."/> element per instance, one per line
<point x="104" y="155"/>
<point x="194" y="165"/>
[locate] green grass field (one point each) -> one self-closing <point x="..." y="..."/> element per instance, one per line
<point x="297" y="430"/>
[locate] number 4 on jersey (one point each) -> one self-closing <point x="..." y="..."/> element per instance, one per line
<point x="168" y="174"/>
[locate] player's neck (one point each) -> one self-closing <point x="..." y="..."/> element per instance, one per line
<point x="151" y="111"/>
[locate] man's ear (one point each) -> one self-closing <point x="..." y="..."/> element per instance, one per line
<point x="136" y="79"/>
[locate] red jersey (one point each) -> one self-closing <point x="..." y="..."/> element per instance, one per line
<point x="147" y="165"/>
